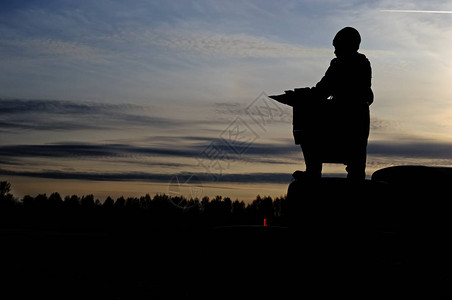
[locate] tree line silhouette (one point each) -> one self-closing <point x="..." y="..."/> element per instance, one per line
<point x="161" y="212"/>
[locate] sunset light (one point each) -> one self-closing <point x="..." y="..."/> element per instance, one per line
<point x="121" y="98"/>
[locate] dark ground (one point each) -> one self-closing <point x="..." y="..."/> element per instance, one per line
<point x="344" y="239"/>
<point x="164" y="265"/>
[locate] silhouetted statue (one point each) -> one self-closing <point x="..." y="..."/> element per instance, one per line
<point x="331" y="120"/>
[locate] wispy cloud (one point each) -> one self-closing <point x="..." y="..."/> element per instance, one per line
<point x="409" y="148"/>
<point x="412" y="149"/>
<point x="230" y="45"/>
<point x="89" y="150"/>
<point x="198" y="178"/>
<point x="46" y="48"/>
<point x="58" y="115"/>
<point x="417" y="11"/>
<point x="19" y="106"/>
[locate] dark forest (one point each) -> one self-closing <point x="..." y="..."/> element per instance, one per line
<point x="160" y="212"/>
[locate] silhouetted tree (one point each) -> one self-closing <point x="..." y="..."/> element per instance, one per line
<point x="192" y="213"/>
<point x="266" y="208"/>
<point x="146" y="202"/>
<point x="87" y="202"/>
<point x="28" y="201"/>
<point x="238" y="212"/>
<point x="5" y="188"/>
<point x="132" y="203"/>
<point x="261" y="208"/>
<point x="204" y="202"/>
<point x="72" y="201"/>
<point x="108" y="203"/>
<point x="161" y="211"/>
<point x="164" y="213"/>
<point x="227" y="204"/>
<point x="41" y="201"/>
<point x="120" y="203"/>
<point x="6" y="199"/>
<point x="280" y="206"/>
<point x="217" y="211"/>
<point x="179" y="201"/>
<point x="55" y="200"/>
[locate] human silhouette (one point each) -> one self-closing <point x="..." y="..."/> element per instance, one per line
<point x="331" y="121"/>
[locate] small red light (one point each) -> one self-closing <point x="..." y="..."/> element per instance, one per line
<point x="265" y="223"/>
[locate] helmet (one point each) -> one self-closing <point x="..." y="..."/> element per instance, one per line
<point x="347" y="38"/>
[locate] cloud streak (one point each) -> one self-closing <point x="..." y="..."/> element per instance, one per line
<point x="417" y="11"/>
<point x="58" y="115"/>
<point x="54" y="49"/>
<point x="411" y="149"/>
<point x="195" y="178"/>
<point x="231" y="45"/>
<point x="89" y="150"/>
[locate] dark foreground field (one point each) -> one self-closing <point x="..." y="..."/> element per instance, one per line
<point x="256" y="263"/>
<point x="154" y="265"/>
<point x="352" y="239"/>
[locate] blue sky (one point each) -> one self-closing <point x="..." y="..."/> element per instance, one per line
<point x="130" y="94"/>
